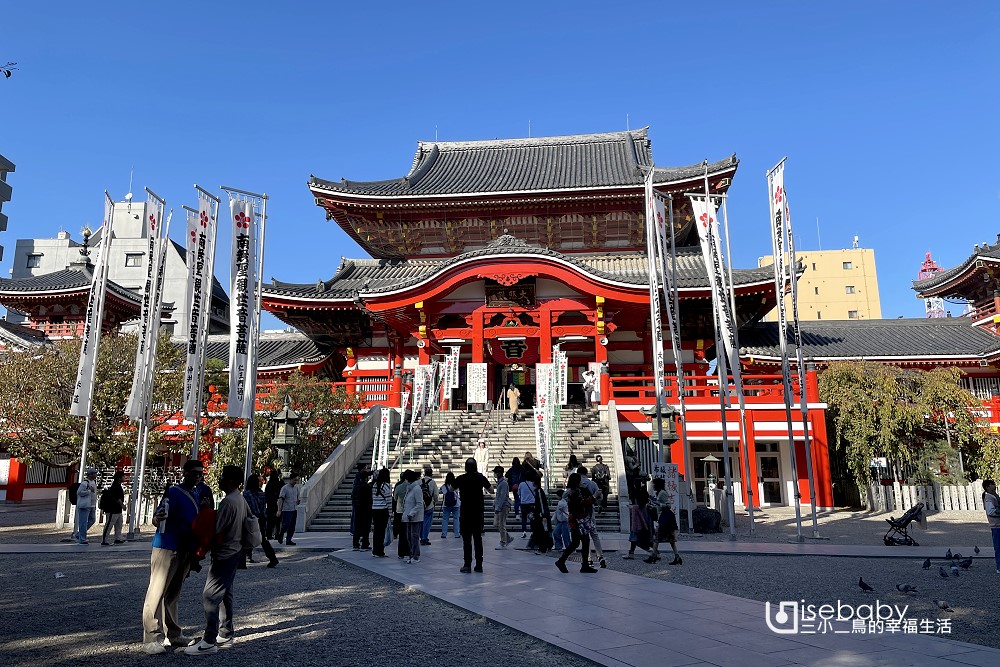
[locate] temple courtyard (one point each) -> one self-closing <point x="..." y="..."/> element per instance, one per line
<point x="328" y="605"/>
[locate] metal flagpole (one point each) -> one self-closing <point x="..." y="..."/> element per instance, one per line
<point x="205" y="317"/>
<point x="721" y="369"/>
<point x="679" y="368"/>
<point x="778" y="248"/>
<point x="745" y="445"/>
<point x="800" y="365"/>
<point x="255" y="334"/>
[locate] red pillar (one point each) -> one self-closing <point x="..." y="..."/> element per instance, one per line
<point x="545" y="336"/>
<point x="396" y="373"/>
<point x="750" y="442"/>
<point x="16" y="480"/>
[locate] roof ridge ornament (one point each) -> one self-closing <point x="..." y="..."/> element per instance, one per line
<point x="506" y="241"/>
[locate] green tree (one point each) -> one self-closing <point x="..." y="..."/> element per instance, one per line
<point x="881" y="410"/>
<point x="36" y="389"/>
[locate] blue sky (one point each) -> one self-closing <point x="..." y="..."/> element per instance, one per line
<point x="887" y="111"/>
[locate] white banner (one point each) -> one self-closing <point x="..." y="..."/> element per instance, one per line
<point x="201" y="232"/>
<point x="561" y="370"/>
<point x="476" y="383"/>
<point x="419" y="393"/>
<point x="655" y="317"/>
<point x="91" y="338"/>
<point x="669" y="473"/>
<point x="384" y="435"/>
<point x="455" y="360"/>
<point x="404" y="402"/>
<point x="153" y="224"/>
<point x="241" y="310"/>
<point x="655" y="207"/>
<point x="541" y="434"/>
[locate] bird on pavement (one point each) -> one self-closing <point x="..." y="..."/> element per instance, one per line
<point x="865" y="587"/>
<point x="976" y="549"/>
<point x="906" y="588"/>
<point x="965" y="564"/>
<point x="947" y="556"/>
<point x="956" y="556"/>
<point x="927" y="564"/>
<point x="954" y="570"/>
<point x="942" y="572"/>
<point x="941" y="604"/>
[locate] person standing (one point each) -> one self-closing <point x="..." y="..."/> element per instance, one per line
<point x="513" y="479"/>
<point x="381" y="506"/>
<point x="217" y="596"/>
<point x="501" y="505"/>
<point x="577" y="501"/>
<point x="560" y="533"/>
<point x="482" y="456"/>
<point x="428" y="487"/>
<point x="570" y="468"/>
<point x="361" y="509"/>
<point x="526" y="492"/>
<point x="399" y="528"/>
<point x="451" y="502"/>
<point x="991" y="503"/>
<point x="258" y="507"/>
<point x="589" y="385"/>
<point x="602" y="477"/>
<point x="640" y="534"/>
<point x="271" y="492"/>
<point x="113" y="505"/>
<point x="170" y="560"/>
<point x="86" y="505"/>
<point x="666" y="526"/>
<point x="413" y="515"/>
<point x="471" y="486"/>
<point x="513" y="400"/>
<point x="595" y="492"/>
<point x="288" y="503"/>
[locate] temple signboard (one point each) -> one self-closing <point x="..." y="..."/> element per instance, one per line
<point x="502" y="296"/>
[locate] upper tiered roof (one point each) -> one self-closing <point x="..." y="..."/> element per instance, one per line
<point x="973" y="279"/>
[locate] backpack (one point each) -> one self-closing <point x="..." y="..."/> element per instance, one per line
<point x="425" y="488"/>
<point x="602" y="473"/>
<point x="72" y="489"/>
<point x="449" y="497"/>
<point x="104" y="504"/>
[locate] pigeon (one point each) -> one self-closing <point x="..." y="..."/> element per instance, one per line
<point x="906" y="588"/>
<point x="965" y="564"/>
<point x="954" y="570"/>
<point x="957" y="556"/>
<point x="942" y="571"/>
<point x="941" y="604"/>
<point x="927" y="564"/>
<point x="976" y="549"/>
<point x="865" y="587"/>
<point x="947" y="556"/>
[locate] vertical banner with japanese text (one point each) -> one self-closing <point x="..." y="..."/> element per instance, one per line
<point x="241" y="309"/>
<point x="152" y="220"/>
<point x="475" y="382"/>
<point x="202" y="225"/>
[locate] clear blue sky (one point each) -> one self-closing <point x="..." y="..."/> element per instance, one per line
<point x="887" y="111"/>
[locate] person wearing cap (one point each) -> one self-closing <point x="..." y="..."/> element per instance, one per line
<point x="86" y="505"/>
<point x="227" y="551"/>
<point x="171" y="558"/>
<point x="601" y="474"/>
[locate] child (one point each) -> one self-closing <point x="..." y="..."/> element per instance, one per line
<point x="560" y="534"/>
<point x="639" y="532"/>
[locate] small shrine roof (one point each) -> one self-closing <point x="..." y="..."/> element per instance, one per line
<point x="20" y="335"/>
<point x="364" y="277"/>
<point x="534" y="164"/>
<point x="66" y="280"/>
<point x="276" y="349"/>
<point x="910" y="339"/>
<point x="942" y="278"/>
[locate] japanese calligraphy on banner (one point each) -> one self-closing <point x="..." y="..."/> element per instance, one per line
<point x="561" y="370"/>
<point x="541" y="434"/>
<point x="475" y="382"/>
<point x="543" y="378"/>
<point x="420" y="376"/>
<point x="201" y="231"/>
<point x="241" y="310"/>
<point x="384" y="434"/>
<point x="669" y="473"/>
<point x="454" y="358"/>
<point x="404" y="402"/>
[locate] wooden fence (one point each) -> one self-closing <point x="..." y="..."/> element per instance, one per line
<point x="966" y="497"/>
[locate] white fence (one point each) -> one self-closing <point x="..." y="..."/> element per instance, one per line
<point x="967" y="497"/>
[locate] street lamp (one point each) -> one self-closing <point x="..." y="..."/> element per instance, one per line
<point x="286" y="426"/>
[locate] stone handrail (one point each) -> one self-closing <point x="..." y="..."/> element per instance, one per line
<point x="336" y="467"/>
<point x="609" y="417"/>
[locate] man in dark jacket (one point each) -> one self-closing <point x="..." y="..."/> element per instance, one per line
<point x="271" y="492"/>
<point x="361" y="509"/>
<point x="470" y="489"/>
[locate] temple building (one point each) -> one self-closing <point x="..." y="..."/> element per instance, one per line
<point x="504" y="249"/>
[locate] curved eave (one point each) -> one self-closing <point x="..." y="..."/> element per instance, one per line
<point x="82" y="292"/>
<point x="300" y="301"/>
<point x="944" y="286"/>
<point x="964" y="359"/>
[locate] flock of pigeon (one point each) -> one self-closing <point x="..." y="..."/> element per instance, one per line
<point x="955" y="563"/>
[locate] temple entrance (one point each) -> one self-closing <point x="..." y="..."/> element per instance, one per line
<point x="516" y="374"/>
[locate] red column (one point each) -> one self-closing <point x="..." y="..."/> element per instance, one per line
<point x="820" y="448"/>
<point x="16" y="480"/>
<point x="545" y="336"/>
<point x="750" y="442"/>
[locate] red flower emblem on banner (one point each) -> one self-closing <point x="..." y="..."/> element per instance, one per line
<point x="706" y="220"/>
<point x="779" y="194"/>
<point x="204" y="219"/>
<point x="242" y="220"/>
<point x="152" y="222"/>
<point x="194" y="235"/>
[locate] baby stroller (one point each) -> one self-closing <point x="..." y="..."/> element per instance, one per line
<point x="898" y="535"/>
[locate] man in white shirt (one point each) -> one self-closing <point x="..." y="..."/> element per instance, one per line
<point x="288" y="501"/>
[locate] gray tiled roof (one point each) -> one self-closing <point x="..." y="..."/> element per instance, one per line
<point x="985" y="251"/>
<point x="373" y="276"/>
<point x="276" y="349"/>
<point x="612" y="159"/>
<point x="20" y="335"/>
<point x="853" y="339"/>
<point x="66" y="279"/>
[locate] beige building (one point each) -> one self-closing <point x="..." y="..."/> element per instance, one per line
<point x="835" y="285"/>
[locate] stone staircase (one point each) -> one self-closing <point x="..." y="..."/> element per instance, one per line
<point x="448" y="439"/>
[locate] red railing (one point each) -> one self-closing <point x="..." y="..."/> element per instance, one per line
<point x="641" y="390"/>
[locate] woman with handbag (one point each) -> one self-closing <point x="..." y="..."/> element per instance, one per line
<point x="666" y="525"/>
<point x="381" y="503"/>
<point x="258" y="507"/>
<point x="579" y="530"/>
